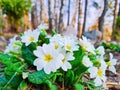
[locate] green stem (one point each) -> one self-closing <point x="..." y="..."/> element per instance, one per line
<point x="79" y="77"/>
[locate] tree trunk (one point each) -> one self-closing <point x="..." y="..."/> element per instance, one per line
<point x="49" y="14"/>
<point x="61" y="17"/>
<point x="101" y="19"/>
<point x="85" y="13"/>
<point x="115" y="14"/>
<point x="80" y="25"/>
<point x="41" y="11"/>
<point x="56" y="16"/>
<point x="73" y="22"/>
<point x="68" y="22"/>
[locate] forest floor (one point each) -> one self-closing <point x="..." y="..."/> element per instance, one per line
<point x="113" y="82"/>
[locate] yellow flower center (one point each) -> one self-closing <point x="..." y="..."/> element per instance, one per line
<point x="31" y="38"/>
<point x="64" y="60"/>
<point x="109" y="63"/>
<point x="56" y="46"/>
<point x="68" y="47"/>
<point x="48" y="57"/>
<point x="85" y="47"/>
<point x="100" y="72"/>
<point x="14" y="45"/>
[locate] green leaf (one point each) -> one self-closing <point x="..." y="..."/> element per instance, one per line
<point x="28" y="55"/>
<point x="51" y="85"/>
<point x="77" y="65"/>
<point x="11" y="82"/>
<point x="3" y="81"/>
<point x="78" y="57"/>
<point x="53" y="32"/>
<point x="79" y="86"/>
<point x="69" y="78"/>
<point x="12" y="71"/>
<point x="23" y="86"/>
<point x="39" y="77"/>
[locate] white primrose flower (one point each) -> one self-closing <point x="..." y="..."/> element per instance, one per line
<point x="68" y="56"/>
<point x="56" y="38"/>
<point x="13" y="46"/>
<point x="69" y="44"/>
<point x="56" y="41"/>
<point x="100" y="50"/>
<point x="42" y="26"/>
<point x="74" y="38"/>
<point x="102" y="61"/>
<point x="85" y="43"/>
<point x="98" y="74"/>
<point x="48" y="58"/>
<point x="30" y="36"/>
<point x="86" y="61"/>
<point x="111" y="64"/>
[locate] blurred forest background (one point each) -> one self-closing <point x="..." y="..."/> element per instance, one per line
<point x="98" y="17"/>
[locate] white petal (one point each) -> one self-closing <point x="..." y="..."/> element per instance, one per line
<point x="93" y="72"/>
<point x="47" y="69"/>
<point x="114" y="61"/>
<point x="66" y="66"/>
<point x="87" y="62"/>
<point x="39" y="63"/>
<point x="111" y="56"/>
<point x="98" y="81"/>
<point x="104" y="78"/>
<point x="38" y="52"/>
<point x="112" y="69"/>
<point x="69" y="56"/>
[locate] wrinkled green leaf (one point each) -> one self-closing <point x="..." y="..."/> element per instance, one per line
<point x="39" y="77"/>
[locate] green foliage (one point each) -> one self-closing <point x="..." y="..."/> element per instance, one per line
<point x="51" y="85"/>
<point x="78" y="67"/>
<point x="69" y="78"/>
<point x="79" y="86"/>
<point x="13" y="67"/>
<point x="15" y="8"/>
<point x="111" y="46"/>
<point x="39" y="77"/>
<point x="27" y="54"/>
<point x="23" y="86"/>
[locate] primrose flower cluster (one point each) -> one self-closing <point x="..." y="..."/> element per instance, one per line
<point x="96" y="62"/>
<point x="59" y="52"/>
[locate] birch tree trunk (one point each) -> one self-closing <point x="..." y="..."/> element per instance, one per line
<point x="73" y="22"/>
<point x="101" y="19"/>
<point x="80" y="25"/>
